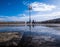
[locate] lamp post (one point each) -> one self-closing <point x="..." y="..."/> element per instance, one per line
<point x="30" y="8"/>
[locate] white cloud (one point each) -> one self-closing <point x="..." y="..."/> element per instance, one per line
<point x="14" y="18"/>
<point x="37" y="6"/>
<point x="2" y="19"/>
<point x="43" y="17"/>
<point x="36" y="17"/>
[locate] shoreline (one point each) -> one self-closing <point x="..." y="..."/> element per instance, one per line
<point x="52" y="25"/>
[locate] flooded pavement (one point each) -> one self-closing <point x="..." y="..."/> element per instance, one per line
<point x="37" y="36"/>
<point x="40" y="40"/>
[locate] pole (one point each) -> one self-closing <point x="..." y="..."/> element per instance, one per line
<point x="30" y="8"/>
<point x="29" y="17"/>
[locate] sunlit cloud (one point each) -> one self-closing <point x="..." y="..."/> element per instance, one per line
<point x="36" y="17"/>
<point x="37" y="6"/>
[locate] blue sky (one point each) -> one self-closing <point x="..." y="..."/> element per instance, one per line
<point x="17" y="10"/>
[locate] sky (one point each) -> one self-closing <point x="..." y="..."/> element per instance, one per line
<point x="17" y="10"/>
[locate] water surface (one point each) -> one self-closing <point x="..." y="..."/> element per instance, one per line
<point x="49" y="35"/>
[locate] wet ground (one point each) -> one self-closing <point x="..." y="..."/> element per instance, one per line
<point x="39" y="40"/>
<point x="32" y="39"/>
<point x="38" y="36"/>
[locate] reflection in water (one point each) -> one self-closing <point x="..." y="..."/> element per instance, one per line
<point x="30" y="30"/>
<point x="37" y="29"/>
<point x="36" y="36"/>
<point x="34" y="39"/>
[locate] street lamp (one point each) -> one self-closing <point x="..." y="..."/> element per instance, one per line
<point x="30" y="8"/>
